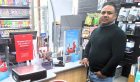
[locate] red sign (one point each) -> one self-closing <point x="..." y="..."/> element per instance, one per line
<point x="24" y="47"/>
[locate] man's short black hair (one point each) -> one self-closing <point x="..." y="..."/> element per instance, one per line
<point x="111" y="4"/>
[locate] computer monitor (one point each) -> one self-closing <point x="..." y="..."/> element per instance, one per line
<point x="11" y="34"/>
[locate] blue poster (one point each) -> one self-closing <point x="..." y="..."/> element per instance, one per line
<point x="71" y="43"/>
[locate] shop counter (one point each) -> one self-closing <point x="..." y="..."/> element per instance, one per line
<point x="71" y="72"/>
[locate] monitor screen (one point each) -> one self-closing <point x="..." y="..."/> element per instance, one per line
<point x="11" y="34"/>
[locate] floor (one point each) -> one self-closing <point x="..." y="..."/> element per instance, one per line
<point x="120" y="79"/>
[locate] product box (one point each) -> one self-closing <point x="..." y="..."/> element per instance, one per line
<point x="137" y="79"/>
<point x="47" y="65"/>
<point x="118" y="71"/>
<point x="132" y="74"/>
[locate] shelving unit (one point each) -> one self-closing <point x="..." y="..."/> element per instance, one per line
<point x="131" y="27"/>
<point x="15" y="17"/>
<point x="91" y="22"/>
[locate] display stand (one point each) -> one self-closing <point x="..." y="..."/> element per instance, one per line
<point x="128" y="21"/>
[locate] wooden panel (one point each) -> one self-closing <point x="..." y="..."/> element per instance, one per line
<point x="72" y="75"/>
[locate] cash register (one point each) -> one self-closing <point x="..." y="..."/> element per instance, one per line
<point x="24" y="47"/>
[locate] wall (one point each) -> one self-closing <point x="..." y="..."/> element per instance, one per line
<point x="86" y="6"/>
<point x="63" y="7"/>
<point x="60" y="7"/>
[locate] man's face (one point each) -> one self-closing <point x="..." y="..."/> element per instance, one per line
<point x="108" y="15"/>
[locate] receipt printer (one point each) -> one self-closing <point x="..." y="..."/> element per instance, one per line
<point x="28" y="73"/>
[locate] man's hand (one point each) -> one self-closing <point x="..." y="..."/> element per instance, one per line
<point x="100" y="75"/>
<point x="85" y="62"/>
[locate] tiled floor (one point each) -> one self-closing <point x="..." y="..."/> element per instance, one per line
<point x="120" y="79"/>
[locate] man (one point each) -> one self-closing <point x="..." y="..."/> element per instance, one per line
<point x="106" y="46"/>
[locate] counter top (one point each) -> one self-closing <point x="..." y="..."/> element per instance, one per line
<point x="70" y="65"/>
<point x="52" y="72"/>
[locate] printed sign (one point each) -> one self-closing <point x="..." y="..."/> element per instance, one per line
<point x="24" y="47"/>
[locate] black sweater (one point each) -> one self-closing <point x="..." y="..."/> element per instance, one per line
<point x="105" y="49"/>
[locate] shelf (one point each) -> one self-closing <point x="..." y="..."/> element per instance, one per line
<point x="128" y="55"/>
<point x="14" y="28"/>
<point x="128" y="21"/>
<point x="4" y="40"/>
<point x="129" y="52"/>
<point x="15" y="18"/>
<point x="128" y="59"/>
<point x="130" y="36"/>
<point x="133" y="36"/>
<point x="129" y="5"/>
<point x="14" y="7"/>
<point x="85" y="38"/>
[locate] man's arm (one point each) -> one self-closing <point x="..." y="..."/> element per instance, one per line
<point x="85" y="61"/>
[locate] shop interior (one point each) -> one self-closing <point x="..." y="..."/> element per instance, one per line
<point x="44" y="40"/>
